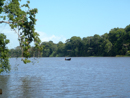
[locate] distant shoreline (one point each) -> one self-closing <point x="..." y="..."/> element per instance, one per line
<point x="80" y="56"/>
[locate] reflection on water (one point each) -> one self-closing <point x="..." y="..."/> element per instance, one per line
<point x="4" y="85"/>
<point x="17" y="87"/>
<point x="78" y="78"/>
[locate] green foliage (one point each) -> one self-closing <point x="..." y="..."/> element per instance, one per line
<point x="127" y="28"/>
<point x="26" y="60"/>
<point x="60" y="49"/>
<point x="49" y="48"/>
<point x="4" y="59"/>
<point x="74" y="45"/>
<point x="15" y="52"/>
<point x="116" y="42"/>
<point x="117" y="37"/>
<point x="128" y="53"/>
<point x="1" y="5"/>
<point x="23" y="23"/>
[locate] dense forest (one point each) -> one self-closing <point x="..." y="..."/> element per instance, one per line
<point x="116" y="42"/>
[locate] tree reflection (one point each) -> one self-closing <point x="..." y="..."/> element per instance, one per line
<point x="4" y="82"/>
<point x="30" y="86"/>
<point x="15" y="86"/>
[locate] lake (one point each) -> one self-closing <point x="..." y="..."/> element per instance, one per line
<point x="53" y="77"/>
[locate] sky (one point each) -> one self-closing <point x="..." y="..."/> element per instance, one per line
<point x="59" y="20"/>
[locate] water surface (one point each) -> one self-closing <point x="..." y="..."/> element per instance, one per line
<point x="82" y="77"/>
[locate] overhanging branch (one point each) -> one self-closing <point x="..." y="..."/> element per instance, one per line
<point x="9" y="23"/>
<point x="5" y="22"/>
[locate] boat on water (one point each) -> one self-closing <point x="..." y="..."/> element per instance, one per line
<point x="68" y="59"/>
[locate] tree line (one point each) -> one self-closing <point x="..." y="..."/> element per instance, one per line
<point x="116" y="42"/>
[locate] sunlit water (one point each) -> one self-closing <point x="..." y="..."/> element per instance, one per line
<point x="83" y="77"/>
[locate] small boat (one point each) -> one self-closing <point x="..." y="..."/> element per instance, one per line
<point x="0" y="91"/>
<point x="68" y="59"/>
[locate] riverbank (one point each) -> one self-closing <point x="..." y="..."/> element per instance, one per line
<point x="122" y="56"/>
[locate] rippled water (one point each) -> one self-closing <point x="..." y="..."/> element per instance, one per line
<point x="82" y="77"/>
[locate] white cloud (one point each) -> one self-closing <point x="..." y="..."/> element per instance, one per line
<point x="45" y="37"/>
<point x="13" y="37"/>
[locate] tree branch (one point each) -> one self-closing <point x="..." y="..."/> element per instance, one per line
<point x="17" y="33"/>
<point x="21" y="19"/>
<point x="9" y="23"/>
<point x="5" y="22"/>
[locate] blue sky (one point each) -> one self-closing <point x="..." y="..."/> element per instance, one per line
<point x="59" y="20"/>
